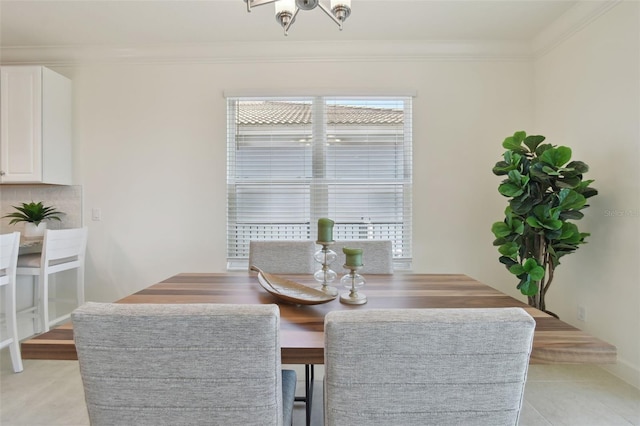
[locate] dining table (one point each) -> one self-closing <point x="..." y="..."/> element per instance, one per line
<point x="302" y="325"/>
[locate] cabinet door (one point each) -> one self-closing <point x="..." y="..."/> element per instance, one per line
<point x="21" y="121"/>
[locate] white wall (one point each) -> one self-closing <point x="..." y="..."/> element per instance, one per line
<point x="151" y="155"/>
<point x="588" y="97"/>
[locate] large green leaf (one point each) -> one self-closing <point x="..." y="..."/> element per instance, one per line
<point x="510" y="190"/>
<point x="529" y="264"/>
<point x="516" y="269"/>
<point x="528" y="288"/>
<point x="578" y="166"/>
<point x="514" y="143"/>
<point x="521" y="205"/>
<point x="553" y="224"/>
<point x="515" y="185"/>
<point x="530" y="272"/>
<point x="589" y="192"/>
<point x="571" y="215"/>
<point x="515" y="177"/>
<point x="517" y="226"/>
<point x="542" y="148"/>
<point x="511" y="143"/>
<point x="502" y="168"/>
<point x="533" y="222"/>
<point x="537" y="273"/>
<point x="510" y="250"/>
<point x="552" y="234"/>
<point x="500" y="229"/>
<point x="538" y="174"/>
<point x="568" y="182"/>
<point x="500" y="241"/>
<point x="544" y="217"/>
<point x="570" y="200"/>
<point x="520" y="136"/>
<point x="505" y="260"/>
<point x="512" y="158"/>
<point x="568" y="230"/>
<point x="550" y="171"/>
<point x="508" y="213"/>
<point x="533" y="141"/>
<point x="556" y="157"/>
<point x="584" y="189"/>
<point x="545" y="211"/>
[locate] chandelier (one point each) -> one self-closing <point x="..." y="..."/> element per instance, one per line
<point x="287" y="10"/>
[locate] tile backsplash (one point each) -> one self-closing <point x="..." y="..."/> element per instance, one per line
<point x="67" y="199"/>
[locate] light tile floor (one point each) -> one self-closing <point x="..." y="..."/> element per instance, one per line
<point x="49" y="393"/>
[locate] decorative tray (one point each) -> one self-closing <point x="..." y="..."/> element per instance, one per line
<point x="291" y="291"/>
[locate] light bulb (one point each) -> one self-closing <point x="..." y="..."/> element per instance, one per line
<point x="341" y="9"/>
<point x="284" y="12"/>
<point x="285" y="6"/>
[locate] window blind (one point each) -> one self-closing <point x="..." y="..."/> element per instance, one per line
<point x="291" y="161"/>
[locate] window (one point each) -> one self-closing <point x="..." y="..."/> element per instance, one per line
<point x="291" y="161"/>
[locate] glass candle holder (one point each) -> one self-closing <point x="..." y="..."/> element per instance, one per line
<point x="352" y="282"/>
<point x="325" y="256"/>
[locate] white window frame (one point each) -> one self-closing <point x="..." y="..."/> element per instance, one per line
<point x="237" y="258"/>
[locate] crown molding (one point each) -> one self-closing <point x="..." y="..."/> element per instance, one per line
<point x="572" y="21"/>
<point x="270" y="52"/>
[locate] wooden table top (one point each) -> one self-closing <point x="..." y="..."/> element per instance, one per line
<point x="302" y="326"/>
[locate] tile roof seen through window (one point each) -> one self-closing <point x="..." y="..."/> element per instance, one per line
<point x="252" y="113"/>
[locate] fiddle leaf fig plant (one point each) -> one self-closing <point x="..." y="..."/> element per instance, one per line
<point x="546" y="191"/>
<point x="34" y="213"/>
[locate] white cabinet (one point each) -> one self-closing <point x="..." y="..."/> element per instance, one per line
<point x="35" y="126"/>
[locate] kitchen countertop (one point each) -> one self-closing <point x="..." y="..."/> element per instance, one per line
<point x="30" y="245"/>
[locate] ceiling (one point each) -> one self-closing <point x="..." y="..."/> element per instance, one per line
<point x="84" y="23"/>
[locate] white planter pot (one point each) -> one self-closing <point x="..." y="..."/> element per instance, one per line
<point x="33" y="231"/>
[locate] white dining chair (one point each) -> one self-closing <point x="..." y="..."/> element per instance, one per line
<point x="426" y="366"/>
<point x="377" y="255"/>
<point x="9" y="246"/>
<point x="62" y="250"/>
<point x="183" y="364"/>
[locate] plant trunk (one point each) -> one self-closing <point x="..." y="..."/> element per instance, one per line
<point x="549" y="278"/>
<point x="538" y="300"/>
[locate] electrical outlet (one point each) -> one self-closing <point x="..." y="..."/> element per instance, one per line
<point x="582" y="313"/>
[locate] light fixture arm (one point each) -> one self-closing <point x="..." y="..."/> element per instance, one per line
<point x="293" y="18"/>
<point x="330" y="15"/>
<point x="254" y="3"/>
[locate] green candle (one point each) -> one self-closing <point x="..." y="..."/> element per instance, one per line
<point x="325" y="230"/>
<point x="353" y="255"/>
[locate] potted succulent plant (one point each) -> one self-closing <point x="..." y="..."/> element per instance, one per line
<point x="36" y="216"/>
<point x="546" y="193"/>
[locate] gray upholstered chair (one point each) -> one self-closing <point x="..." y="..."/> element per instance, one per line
<point x="183" y="364"/>
<point x="283" y="256"/>
<point x="377" y="256"/>
<point x="288" y="257"/>
<point x="426" y="366"/>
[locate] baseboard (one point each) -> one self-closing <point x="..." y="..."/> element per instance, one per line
<point x="625" y="371"/>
